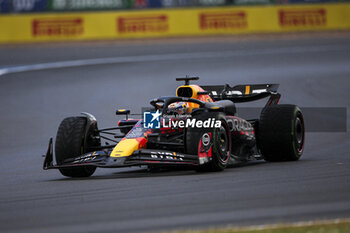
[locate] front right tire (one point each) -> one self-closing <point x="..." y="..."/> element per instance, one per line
<point x="220" y="142"/>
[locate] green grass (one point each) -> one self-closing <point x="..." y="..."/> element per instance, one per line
<point x="339" y="226"/>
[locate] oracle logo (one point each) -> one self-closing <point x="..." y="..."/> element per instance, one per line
<point x="227" y="20"/>
<point x="302" y="18"/>
<point x="58" y="27"/>
<point x="143" y="24"/>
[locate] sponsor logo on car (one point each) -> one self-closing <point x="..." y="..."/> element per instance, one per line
<point x="85" y="158"/>
<point x="303" y="18"/>
<point x="205" y="139"/>
<point x="143" y="24"/>
<point x="58" y="27"/>
<point x="166" y="155"/>
<point x="227" y="20"/>
<point x="238" y="124"/>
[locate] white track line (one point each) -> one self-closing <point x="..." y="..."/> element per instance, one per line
<point x="169" y="57"/>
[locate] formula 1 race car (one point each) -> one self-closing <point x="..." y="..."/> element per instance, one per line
<point x="198" y="127"/>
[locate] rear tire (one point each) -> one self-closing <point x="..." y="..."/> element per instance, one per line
<point x="281" y="133"/>
<point x="71" y="141"/>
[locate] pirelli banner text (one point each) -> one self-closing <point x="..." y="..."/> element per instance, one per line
<point x="173" y="22"/>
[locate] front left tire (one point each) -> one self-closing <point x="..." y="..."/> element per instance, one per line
<point x="72" y="140"/>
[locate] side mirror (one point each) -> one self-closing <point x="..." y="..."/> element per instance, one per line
<point x="123" y="112"/>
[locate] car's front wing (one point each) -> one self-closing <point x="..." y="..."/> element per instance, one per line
<point x="139" y="157"/>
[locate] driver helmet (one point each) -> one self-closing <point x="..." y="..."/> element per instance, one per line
<point x="180" y="108"/>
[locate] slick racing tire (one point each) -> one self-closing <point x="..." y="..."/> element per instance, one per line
<point x="200" y="139"/>
<point x="281" y="133"/>
<point x="74" y="139"/>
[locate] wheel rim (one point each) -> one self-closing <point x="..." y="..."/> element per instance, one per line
<point x="299" y="133"/>
<point x="223" y="144"/>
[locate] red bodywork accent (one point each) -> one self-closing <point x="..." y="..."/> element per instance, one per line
<point x="142" y="142"/>
<point x="169" y="130"/>
<point x="201" y="151"/>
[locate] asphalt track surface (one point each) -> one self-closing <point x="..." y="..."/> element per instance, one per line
<point x="312" y="71"/>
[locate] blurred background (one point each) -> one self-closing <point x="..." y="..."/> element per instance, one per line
<point x="72" y="20"/>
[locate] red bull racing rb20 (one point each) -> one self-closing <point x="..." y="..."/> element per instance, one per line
<point x="199" y="128"/>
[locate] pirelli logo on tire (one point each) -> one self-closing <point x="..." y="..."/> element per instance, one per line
<point x="58" y="27"/>
<point x="232" y="20"/>
<point x="157" y="23"/>
<point x="303" y="18"/>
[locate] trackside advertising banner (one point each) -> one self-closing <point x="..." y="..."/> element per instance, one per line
<point x="172" y="22"/>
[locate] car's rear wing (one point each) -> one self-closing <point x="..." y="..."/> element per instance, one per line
<point x="244" y="93"/>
